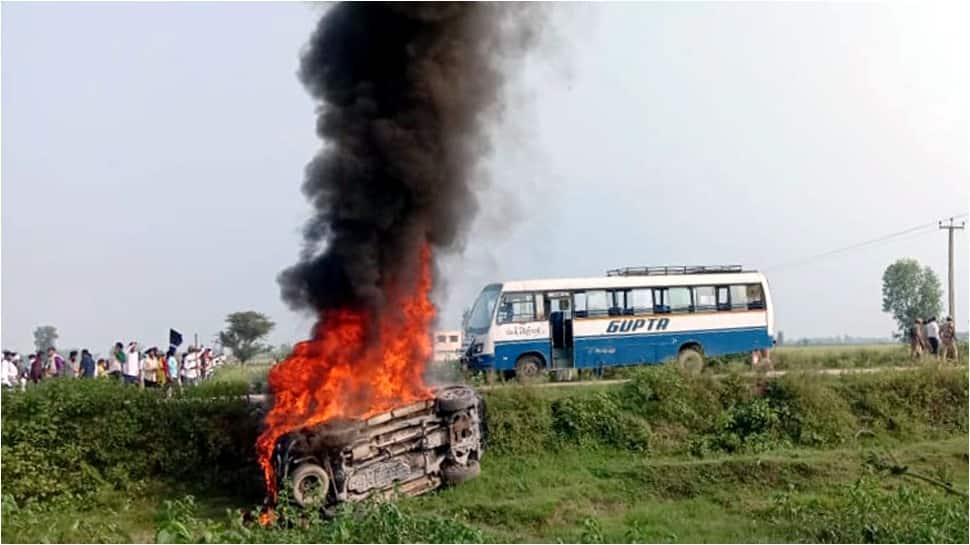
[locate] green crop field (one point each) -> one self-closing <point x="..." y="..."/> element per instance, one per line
<point x="784" y="358"/>
<point x="665" y="457"/>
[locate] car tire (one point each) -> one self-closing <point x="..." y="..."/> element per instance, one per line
<point x="528" y="368"/>
<point x="456" y="473"/>
<point x="311" y="485"/>
<point x="690" y="360"/>
<point x="455" y="398"/>
<point x="335" y="434"/>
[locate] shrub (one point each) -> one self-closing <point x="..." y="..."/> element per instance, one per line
<point x="923" y="402"/>
<point x="519" y="422"/>
<point x="66" y="439"/>
<point x="812" y="412"/>
<point x="368" y="522"/>
<point x="864" y="512"/>
<point x="598" y="420"/>
<point x="666" y="393"/>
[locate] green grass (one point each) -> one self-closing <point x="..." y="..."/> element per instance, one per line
<point x="787" y="358"/>
<point x="252" y="373"/>
<point x="667" y="457"/>
<point x="666" y="499"/>
<point x="577" y="495"/>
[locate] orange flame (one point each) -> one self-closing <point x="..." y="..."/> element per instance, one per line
<point x="352" y="368"/>
<point x="267" y="517"/>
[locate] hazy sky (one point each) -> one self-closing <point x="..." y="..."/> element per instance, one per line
<point x="152" y="157"/>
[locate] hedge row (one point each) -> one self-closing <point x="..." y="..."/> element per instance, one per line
<point x="662" y="409"/>
<point x="68" y="438"/>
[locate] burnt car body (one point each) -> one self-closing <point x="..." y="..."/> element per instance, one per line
<point x="410" y="449"/>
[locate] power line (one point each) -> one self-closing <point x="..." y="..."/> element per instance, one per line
<point x="918" y="229"/>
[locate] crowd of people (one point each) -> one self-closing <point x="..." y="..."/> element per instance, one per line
<point x="147" y="368"/>
<point x="930" y="337"/>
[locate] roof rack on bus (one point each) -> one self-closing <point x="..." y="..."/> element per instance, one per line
<point x="677" y="269"/>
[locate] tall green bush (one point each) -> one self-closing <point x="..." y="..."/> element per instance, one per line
<point x="65" y="439"/>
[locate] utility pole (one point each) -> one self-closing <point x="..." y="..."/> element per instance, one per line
<point x="951" y="227"/>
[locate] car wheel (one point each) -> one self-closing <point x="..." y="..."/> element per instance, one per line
<point x="310" y="485"/>
<point x="690" y="360"/>
<point x="455" y="473"/>
<point x="335" y="434"/>
<point x="528" y="368"/>
<point x="456" y="398"/>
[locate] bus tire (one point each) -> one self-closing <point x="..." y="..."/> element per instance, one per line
<point x="528" y="367"/>
<point x="690" y="360"/>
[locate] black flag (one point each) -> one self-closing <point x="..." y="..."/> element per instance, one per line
<point x="174" y="337"/>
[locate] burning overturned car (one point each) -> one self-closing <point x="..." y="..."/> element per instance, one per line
<point x="411" y="449"/>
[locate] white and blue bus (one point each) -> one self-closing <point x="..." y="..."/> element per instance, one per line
<point x="631" y="316"/>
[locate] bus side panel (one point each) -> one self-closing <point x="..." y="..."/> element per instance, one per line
<point x="507" y="352"/>
<point x="656" y="338"/>
<point x="733" y="341"/>
<point x="606" y="351"/>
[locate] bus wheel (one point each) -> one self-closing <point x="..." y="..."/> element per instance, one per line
<point x="528" y="368"/>
<point x="690" y="360"/>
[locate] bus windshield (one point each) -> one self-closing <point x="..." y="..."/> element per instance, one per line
<point x="481" y="315"/>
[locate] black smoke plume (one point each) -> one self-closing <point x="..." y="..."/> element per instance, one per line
<point x="406" y="93"/>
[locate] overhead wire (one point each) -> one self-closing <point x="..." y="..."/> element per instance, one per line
<point x="918" y="229"/>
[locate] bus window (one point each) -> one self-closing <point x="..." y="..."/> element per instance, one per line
<point x="756" y="297"/>
<point x="661" y="303"/>
<point x="640" y="301"/>
<point x="596" y="303"/>
<point x="679" y="299"/>
<point x="579" y="303"/>
<point x="704" y="298"/>
<point x="517" y="307"/>
<point x="723" y="299"/>
<point x="739" y="297"/>
<point x="618" y="303"/>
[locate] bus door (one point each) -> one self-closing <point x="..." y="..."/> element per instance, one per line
<point x="559" y="309"/>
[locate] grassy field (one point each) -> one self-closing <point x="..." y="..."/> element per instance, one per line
<point x="601" y="496"/>
<point x="665" y="458"/>
<point x="783" y="358"/>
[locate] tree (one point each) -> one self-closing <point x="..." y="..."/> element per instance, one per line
<point x="910" y="291"/>
<point x="45" y="336"/>
<point x="282" y="352"/>
<point x="243" y="333"/>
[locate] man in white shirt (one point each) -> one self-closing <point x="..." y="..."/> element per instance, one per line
<point x="132" y="369"/>
<point x="933" y="335"/>
<point x="10" y="372"/>
<point x="190" y="367"/>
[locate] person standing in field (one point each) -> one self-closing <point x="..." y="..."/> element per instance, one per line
<point x="149" y="366"/>
<point x="916" y="339"/>
<point x="172" y="369"/>
<point x="36" y="366"/>
<point x="117" y="362"/>
<point x="10" y="371"/>
<point x="88" y="367"/>
<point x="190" y="367"/>
<point x="55" y="363"/>
<point x="205" y="362"/>
<point x="948" y="341"/>
<point x="161" y="369"/>
<point x="132" y="368"/>
<point x="71" y="366"/>
<point x="933" y="335"/>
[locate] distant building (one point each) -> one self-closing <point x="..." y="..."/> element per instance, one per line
<point x="447" y="345"/>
